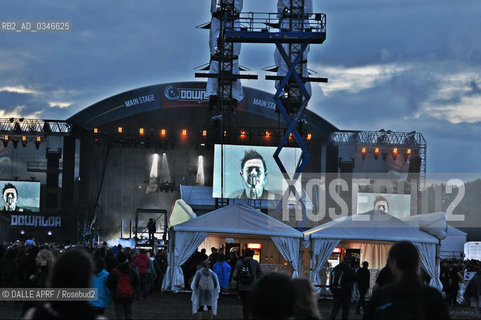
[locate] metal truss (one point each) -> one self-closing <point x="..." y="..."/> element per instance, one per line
<point x="34" y="127"/>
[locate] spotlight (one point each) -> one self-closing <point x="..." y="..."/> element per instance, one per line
<point x="242" y="134"/>
<point x="204" y="133"/>
<point x="49" y="233"/>
<point x="395" y="153"/>
<point x="184" y="132"/>
<point x="290" y="136"/>
<point x="37" y="142"/>
<point x="225" y="133"/>
<point x="96" y="130"/>
<point x="268" y="134"/>
<point x="22" y="232"/>
<point x="376" y="153"/>
<point x="407" y="154"/>
<point x="309" y="136"/>
<point x="363" y="153"/>
<point x="141" y="131"/>
<point x="120" y="129"/>
<point x="163" y="132"/>
<point x="24" y="141"/>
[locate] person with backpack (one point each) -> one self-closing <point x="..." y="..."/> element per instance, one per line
<point x="121" y="282"/>
<point x="406" y="297"/>
<point x="205" y="291"/>
<point x="341" y="282"/>
<point x="247" y="271"/>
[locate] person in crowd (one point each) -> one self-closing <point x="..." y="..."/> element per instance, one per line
<point x="272" y="297"/>
<point x="151" y="273"/>
<point x="306" y="300"/>
<point x="341" y="282"/>
<point x="247" y="271"/>
<point x="214" y="256"/>
<point x="222" y="270"/>
<point x="100" y="282"/>
<point x="161" y="259"/>
<point x="45" y="261"/>
<point x="384" y="277"/>
<point x="205" y="291"/>
<point x="121" y="282"/>
<point x="363" y="278"/>
<point x="73" y="269"/>
<point x="406" y="297"/>
<point x="142" y="262"/>
<point x="109" y="260"/>
<point x="8" y="273"/>
<point x="472" y="293"/>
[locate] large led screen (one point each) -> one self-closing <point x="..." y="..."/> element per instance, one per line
<point x="250" y="172"/>
<point x="19" y="196"/>
<point x="397" y="205"/>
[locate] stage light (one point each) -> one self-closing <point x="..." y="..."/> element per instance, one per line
<point x="24" y="141"/>
<point x="120" y="129"/>
<point x="363" y="153"/>
<point x="225" y="133"/>
<point x="22" y="232"/>
<point x="395" y="153"/>
<point x="49" y="233"/>
<point x="37" y="142"/>
<point x="200" y="178"/>
<point x="96" y="130"/>
<point x="376" y="153"/>
<point x="5" y="137"/>
<point x="204" y="133"/>
<point x="184" y="132"/>
<point x="268" y="134"/>
<point x="291" y="136"/>
<point x="242" y="134"/>
<point x="309" y="136"/>
<point x="163" y="132"/>
<point x="407" y="154"/>
<point x="141" y="131"/>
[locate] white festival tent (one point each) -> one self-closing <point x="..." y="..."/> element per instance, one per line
<point x="371" y="226"/>
<point x="186" y="237"/>
<point x="453" y="245"/>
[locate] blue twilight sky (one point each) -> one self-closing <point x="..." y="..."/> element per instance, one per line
<point x="401" y="65"/>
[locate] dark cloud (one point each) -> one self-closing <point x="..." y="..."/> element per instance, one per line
<point x="115" y="46"/>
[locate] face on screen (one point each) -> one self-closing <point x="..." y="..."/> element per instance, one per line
<point x="382" y="205"/>
<point x="254" y="178"/>
<point x="10" y="199"/>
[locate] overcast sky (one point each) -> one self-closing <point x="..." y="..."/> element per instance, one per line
<point x="392" y="64"/>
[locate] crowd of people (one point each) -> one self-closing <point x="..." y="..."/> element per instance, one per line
<point x="124" y="275"/>
<point x="121" y="275"/>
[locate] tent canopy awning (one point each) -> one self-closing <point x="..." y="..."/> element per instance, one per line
<point x="238" y="219"/>
<point x="371" y="225"/>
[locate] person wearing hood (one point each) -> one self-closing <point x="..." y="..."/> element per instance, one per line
<point x="222" y="269"/>
<point x="100" y="282"/>
<point x="205" y="291"/>
<point x="121" y="282"/>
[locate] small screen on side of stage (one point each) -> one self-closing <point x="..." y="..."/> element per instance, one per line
<point x="250" y="172"/>
<point x="19" y="196"/>
<point x="397" y="205"/>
